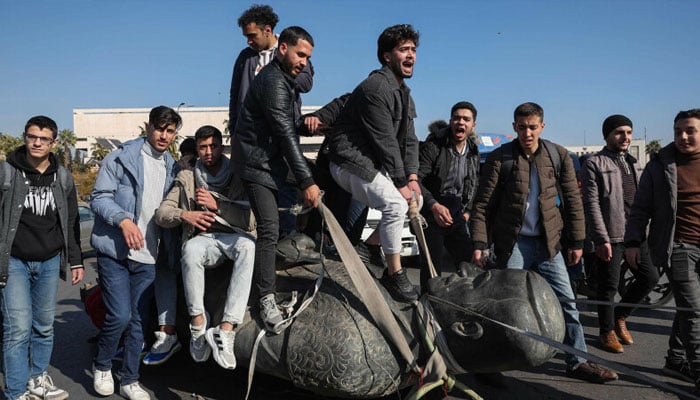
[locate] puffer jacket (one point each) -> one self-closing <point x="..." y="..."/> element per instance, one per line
<point x="265" y="141"/>
<point x="603" y="197"/>
<point x="655" y="204"/>
<point x="499" y="209"/>
<point x="435" y="162"/>
<point x="117" y="196"/>
<point x="369" y="136"/>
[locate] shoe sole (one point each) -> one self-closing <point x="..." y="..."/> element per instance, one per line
<point x="675" y="374"/>
<point x="35" y="397"/>
<point x="167" y="357"/>
<point x="214" y="346"/>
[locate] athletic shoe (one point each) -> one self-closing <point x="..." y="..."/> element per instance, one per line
<point x="198" y="345"/>
<point x="399" y="287"/>
<point x="221" y="343"/>
<point x="102" y="382"/>
<point x="134" y="391"/>
<point x="163" y="348"/>
<point x="269" y="312"/>
<point x="43" y="388"/>
<point x="25" y="396"/>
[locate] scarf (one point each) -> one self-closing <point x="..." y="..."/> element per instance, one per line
<point x="216" y="183"/>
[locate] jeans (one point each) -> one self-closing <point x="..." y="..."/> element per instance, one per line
<point x="455" y="239"/>
<point x="287" y="196"/>
<point x="28" y="308"/>
<point x="124" y="286"/>
<point x="530" y="253"/>
<point x="685" y="284"/>
<point x="165" y="288"/>
<point x="382" y="195"/>
<point x="209" y="250"/>
<point x="263" y="201"/>
<point x="645" y="278"/>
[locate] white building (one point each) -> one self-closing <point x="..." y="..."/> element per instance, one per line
<point x="111" y="126"/>
<point x="637" y="149"/>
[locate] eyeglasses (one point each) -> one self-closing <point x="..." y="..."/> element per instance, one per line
<point x="43" y="139"/>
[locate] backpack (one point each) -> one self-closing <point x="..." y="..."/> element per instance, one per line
<point x="507" y="161"/>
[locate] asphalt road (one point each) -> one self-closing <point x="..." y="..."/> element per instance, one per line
<point x="182" y="379"/>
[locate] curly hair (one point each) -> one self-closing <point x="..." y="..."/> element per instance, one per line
<point x="393" y="36"/>
<point x="260" y="14"/>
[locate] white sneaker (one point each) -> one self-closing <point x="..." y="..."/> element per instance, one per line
<point x="102" y="382"/>
<point x="163" y="348"/>
<point x="221" y="343"/>
<point x="43" y="388"/>
<point x="25" y="396"/>
<point x="134" y="391"/>
<point x="199" y="350"/>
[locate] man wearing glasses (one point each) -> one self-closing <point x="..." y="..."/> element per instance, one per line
<point x="129" y="188"/>
<point x="40" y="239"/>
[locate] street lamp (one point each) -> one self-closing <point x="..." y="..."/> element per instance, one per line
<point x="178" y="107"/>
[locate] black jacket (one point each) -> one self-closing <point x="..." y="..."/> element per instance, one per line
<point x="435" y="161"/>
<point x="265" y="141"/>
<point x="370" y="134"/>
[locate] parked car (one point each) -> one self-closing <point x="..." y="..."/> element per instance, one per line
<point x="87" y="219"/>
<point x="409" y="245"/>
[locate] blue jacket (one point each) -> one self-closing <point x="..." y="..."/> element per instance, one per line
<point x="117" y="196"/>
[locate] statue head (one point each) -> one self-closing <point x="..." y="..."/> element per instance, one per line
<point x="514" y="297"/>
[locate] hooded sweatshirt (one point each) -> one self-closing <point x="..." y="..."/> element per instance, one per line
<point x="39" y="235"/>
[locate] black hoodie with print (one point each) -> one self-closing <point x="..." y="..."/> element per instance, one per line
<point x="39" y="235"/>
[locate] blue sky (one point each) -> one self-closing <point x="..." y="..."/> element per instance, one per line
<point x="580" y="60"/>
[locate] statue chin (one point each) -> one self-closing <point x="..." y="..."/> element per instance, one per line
<point x="519" y="298"/>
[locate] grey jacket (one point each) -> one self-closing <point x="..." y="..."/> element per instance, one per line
<point x="655" y="204"/>
<point x="12" y="202"/>
<point x="603" y="196"/>
<point x="369" y="135"/>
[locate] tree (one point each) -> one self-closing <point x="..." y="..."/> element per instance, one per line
<point x="653" y="146"/>
<point x="99" y="152"/>
<point x="67" y="139"/>
<point x="8" y="143"/>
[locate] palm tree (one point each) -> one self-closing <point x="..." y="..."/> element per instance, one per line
<point x="67" y="138"/>
<point x="653" y="146"/>
<point x="99" y="152"/>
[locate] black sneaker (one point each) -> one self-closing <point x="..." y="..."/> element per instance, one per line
<point x="399" y="287"/>
<point x="679" y="370"/>
<point x="370" y="253"/>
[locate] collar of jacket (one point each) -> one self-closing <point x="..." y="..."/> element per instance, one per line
<point x="388" y="74"/>
<point x="277" y="64"/>
<point x="629" y="157"/>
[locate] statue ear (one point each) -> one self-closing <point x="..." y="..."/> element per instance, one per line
<point x="468" y="329"/>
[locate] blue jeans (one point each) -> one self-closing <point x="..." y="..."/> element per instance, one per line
<point x="28" y="308"/>
<point x="124" y="286"/>
<point x="530" y="253"/>
<point x="165" y="288"/>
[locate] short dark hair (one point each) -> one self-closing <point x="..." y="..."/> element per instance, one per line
<point x="393" y="36"/>
<point x="207" y="131"/>
<point x="292" y="34"/>
<point x="528" y="109"/>
<point x="462" y="105"/>
<point x="162" y="116"/>
<point x="42" y="122"/>
<point x="692" y="113"/>
<point x="260" y="14"/>
<point x="188" y="146"/>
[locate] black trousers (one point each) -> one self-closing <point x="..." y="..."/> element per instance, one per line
<point x="263" y="201"/>
<point x="455" y="239"/>
<point x="645" y="278"/>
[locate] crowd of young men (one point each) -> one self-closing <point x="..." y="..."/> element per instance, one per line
<point x="156" y="218"/>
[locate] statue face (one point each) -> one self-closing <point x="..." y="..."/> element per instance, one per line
<point x="515" y="297"/>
